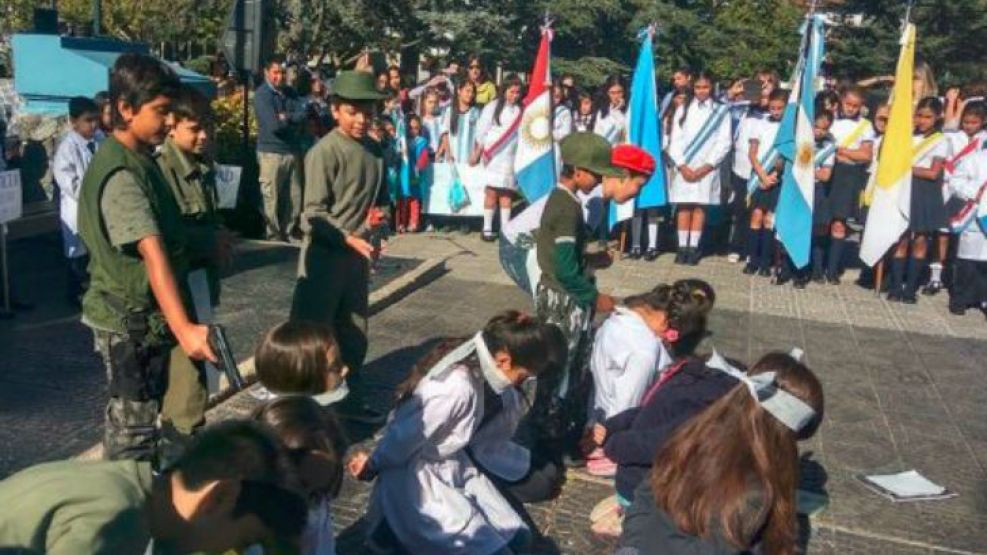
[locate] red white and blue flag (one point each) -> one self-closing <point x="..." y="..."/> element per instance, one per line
<point x="534" y="163"/>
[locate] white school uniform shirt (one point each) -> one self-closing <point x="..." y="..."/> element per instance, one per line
<point x="428" y="488"/>
<point x="842" y="128"/>
<point x="461" y="143"/>
<point x="627" y="358"/>
<point x="433" y="131"/>
<point x="958" y="141"/>
<point x="940" y="149"/>
<point x="716" y="148"/>
<point x="72" y="158"/>
<point x="500" y="168"/>
<point x="612" y="127"/>
<point x="765" y="135"/>
<point x="742" y="144"/>
<point x="967" y="182"/>
<point x="561" y="128"/>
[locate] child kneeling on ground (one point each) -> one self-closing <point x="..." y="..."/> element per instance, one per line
<point x="449" y="477"/>
<point x="726" y="481"/>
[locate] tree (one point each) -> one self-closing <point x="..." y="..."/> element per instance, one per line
<point x="950" y="38"/>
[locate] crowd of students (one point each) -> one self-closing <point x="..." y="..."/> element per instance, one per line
<point x="702" y="449"/>
<point x="723" y="173"/>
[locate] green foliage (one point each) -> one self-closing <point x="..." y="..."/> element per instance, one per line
<point x="950" y="35"/>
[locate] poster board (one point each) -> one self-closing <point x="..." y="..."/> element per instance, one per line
<point x="11" y="196"/>
<point x="227" y="186"/>
<point x="437" y="196"/>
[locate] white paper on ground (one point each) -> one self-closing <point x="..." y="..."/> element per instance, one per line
<point x="906" y="484"/>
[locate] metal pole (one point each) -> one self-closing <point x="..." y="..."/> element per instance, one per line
<point x="97" y="17"/>
<point x="240" y="17"/>
<point x="5" y="312"/>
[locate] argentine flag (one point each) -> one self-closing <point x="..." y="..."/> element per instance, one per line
<point x="796" y="143"/>
<point x="534" y="163"/>
<point x="644" y="130"/>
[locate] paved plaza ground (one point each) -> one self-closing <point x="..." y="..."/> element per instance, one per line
<point x="905" y="385"/>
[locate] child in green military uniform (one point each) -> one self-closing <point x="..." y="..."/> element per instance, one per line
<point x="138" y="301"/>
<point x="228" y="490"/>
<point x="566" y="295"/>
<point x="343" y="207"/>
<point x="192" y="180"/>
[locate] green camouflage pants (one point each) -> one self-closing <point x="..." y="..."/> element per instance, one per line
<point x="563" y="399"/>
<point x="176" y="393"/>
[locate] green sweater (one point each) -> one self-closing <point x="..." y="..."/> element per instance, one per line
<point x="343" y="180"/>
<point x="561" y="242"/>
<point x="74" y="508"/>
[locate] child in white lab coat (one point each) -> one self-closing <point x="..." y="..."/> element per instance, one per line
<point x="449" y="478"/>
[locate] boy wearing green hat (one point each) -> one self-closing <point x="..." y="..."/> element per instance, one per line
<point x="566" y="295"/>
<point x="343" y="205"/>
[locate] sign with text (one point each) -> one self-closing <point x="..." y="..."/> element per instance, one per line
<point x="227" y="186"/>
<point x="11" y="197"/>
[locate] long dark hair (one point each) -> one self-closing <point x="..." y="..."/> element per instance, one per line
<point x="935" y="105"/>
<point x="511" y="80"/>
<point x="603" y="100"/>
<point x="303" y="426"/>
<point x="701" y="76"/>
<point x="533" y="345"/>
<point x="686" y="304"/>
<point x="455" y="114"/>
<point x="736" y="444"/>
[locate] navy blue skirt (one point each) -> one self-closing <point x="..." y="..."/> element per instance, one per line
<point x="766" y="199"/>
<point x="928" y="209"/>
<point x="845" y="187"/>
<point x="821" y="213"/>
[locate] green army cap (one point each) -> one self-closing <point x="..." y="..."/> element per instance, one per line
<point x="356" y="85"/>
<point x="589" y="151"/>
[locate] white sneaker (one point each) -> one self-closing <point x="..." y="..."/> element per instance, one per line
<point x="733" y="258"/>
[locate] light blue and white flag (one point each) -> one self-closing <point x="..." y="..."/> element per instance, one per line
<point x="796" y="143"/>
<point x="644" y="131"/>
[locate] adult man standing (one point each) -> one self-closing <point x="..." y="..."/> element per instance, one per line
<point x="279" y="127"/>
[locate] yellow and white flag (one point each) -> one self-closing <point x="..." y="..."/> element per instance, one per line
<point x="891" y="206"/>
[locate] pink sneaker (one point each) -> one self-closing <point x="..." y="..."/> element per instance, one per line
<point x="602" y="467"/>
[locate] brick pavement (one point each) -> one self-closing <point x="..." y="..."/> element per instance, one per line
<point x="904" y="387"/>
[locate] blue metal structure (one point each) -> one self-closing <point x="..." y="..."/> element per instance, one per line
<point x="51" y="69"/>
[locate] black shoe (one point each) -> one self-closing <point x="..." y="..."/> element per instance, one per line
<point x="801" y="282"/>
<point x="782" y="279"/>
<point x="651" y="255"/>
<point x="635" y="253"/>
<point x="894" y="296"/>
<point x="488" y="236"/>
<point x="909" y="298"/>
<point x="692" y="259"/>
<point x="957" y="310"/>
<point x="680" y="256"/>
<point x="764" y="272"/>
<point x="833" y="279"/>
<point x="818" y="278"/>
<point x="750" y="269"/>
<point x="932" y="288"/>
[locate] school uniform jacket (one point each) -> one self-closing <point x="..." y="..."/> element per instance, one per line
<point x="499" y="165"/>
<point x="612" y="127"/>
<point x="69" y="166"/>
<point x="627" y="357"/>
<point x="428" y="488"/>
<point x="712" y="153"/>
<point x="634" y="436"/>
<point x="966" y="183"/>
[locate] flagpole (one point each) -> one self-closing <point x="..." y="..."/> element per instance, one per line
<point x="879" y="267"/>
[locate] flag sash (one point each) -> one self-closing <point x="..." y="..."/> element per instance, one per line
<point x="504" y="141"/>
<point x="825" y="153"/>
<point x="965" y="216"/>
<point x="923" y="147"/>
<point x="711" y="124"/>
<point x="855" y="134"/>
<point x="968" y="149"/>
<point x="769" y="160"/>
